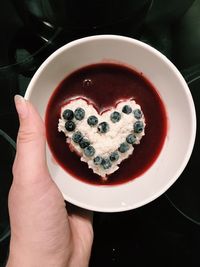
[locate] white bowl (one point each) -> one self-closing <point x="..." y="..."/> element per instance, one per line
<point x="174" y="93"/>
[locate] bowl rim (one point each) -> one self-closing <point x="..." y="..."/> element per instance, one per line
<point x="184" y="85"/>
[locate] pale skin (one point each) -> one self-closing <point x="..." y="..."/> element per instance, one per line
<point x="43" y="233"/>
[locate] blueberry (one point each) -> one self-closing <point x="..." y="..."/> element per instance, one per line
<point x="137" y="113"/>
<point x="138" y="126"/>
<point x="131" y="139"/>
<point x="84" y="142"/>
<point x="115" y="116"/>
<point x="114" y="156"/>
<point x="89" y="151"/>
<point x="70" y="126"/>
<point x="92" y="120"/>
<point x="68" y="114"/>
<point x="123" y="147"/>
<point x="79" y="113"/>
<point x="127" y="109"/>
<point x="103" y="127"/>
<point x="106" y="163"/>
<point x="77" y="136"/>
<point x="97" y="160"/>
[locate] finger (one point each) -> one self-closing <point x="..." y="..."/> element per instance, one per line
<point x="81" y="223"/>
<point x="81" y="214"/>
<point x="30" y="161"/>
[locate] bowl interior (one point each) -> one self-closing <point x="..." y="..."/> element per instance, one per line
<point x="174" y="94"/>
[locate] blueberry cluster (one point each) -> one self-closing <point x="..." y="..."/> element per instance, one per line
<point x="84" y="143"/>
<point x="104" y="162"/>
<point x="77" y="136"/>
<point x="69" y="115"/>
<point x="138" y="126"/>
<point x="103" y="127"/>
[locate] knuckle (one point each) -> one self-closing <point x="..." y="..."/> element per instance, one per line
<point x="29" y="136"/>
<point x="25" y="136"/>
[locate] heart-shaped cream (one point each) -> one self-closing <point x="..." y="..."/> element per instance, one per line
<point x="103" y="140"/>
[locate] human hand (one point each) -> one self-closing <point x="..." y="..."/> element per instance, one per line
<point x="43" y="233"/>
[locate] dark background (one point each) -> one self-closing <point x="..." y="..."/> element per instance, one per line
<point x="165" y="232"/>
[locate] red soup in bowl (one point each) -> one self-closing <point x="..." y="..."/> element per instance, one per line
<point x="105" y="84"/>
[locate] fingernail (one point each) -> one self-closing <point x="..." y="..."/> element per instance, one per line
<point x="21" y="106"/>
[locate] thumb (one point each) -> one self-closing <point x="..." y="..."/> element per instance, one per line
<point x="30" y="161"/>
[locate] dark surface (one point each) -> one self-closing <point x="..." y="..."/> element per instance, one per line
<point x="165" y="232"/>
<point x="154" y="235"/>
